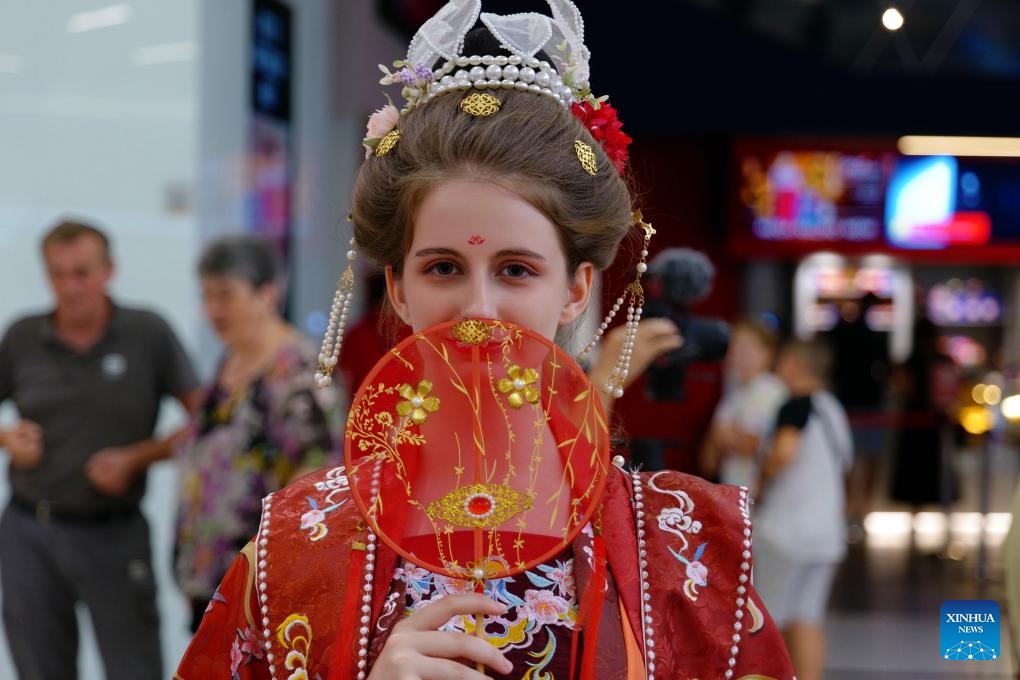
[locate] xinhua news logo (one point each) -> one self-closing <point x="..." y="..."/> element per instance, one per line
<point x="969" y="630"/>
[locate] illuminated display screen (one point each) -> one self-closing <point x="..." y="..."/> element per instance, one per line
<point x="942" y="201"/>
<point x="814" y="195"/>
<point x="790" y="196"/>
<point x="964" y="303"/>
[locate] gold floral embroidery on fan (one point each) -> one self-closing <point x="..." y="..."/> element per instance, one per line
<point x="519" y="386"/>
<point x="586" y="156"/>
<point x="479" y="506"/>
<point x="418" y="402"/>
<point x="375" y="432"/>
<point x="479" y="104"/>
<point x="472" y="331"/>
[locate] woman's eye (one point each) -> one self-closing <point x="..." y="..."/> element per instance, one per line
<point x="443" y="269"/>
<point x="516" y="271"/>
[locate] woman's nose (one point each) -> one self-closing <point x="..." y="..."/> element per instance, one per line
<point x="479" y="302"/>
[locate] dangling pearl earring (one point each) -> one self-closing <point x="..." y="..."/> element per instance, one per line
<point x="338" y="312"/>
<point x="634" y="297"/>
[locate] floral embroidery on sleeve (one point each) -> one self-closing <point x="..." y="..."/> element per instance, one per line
<point x="245" y="649"/>
<point x="679" y="521"/>
<point x="338" y="486"/>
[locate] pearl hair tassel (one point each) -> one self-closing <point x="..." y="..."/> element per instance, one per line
<point x="634" y="298"/>
<point x="338" y="315"/>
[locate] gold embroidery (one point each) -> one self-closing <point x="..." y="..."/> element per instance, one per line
<point x="387" y="143"/>
<point x="479" y="506"/>
<point x="419" y="404"/>
<point x="295" y="635"/>
<point x="250" y="555"/>
<point x="519" y="386"/>
<point x="586" y="156"/>
<point x="757" y="620"/>
<point x="479" y="104"/>
<point x="472" y="331"/>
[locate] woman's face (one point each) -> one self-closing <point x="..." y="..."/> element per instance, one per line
<point x="748" y="356"/>
<point x="480" y="251"/>
<point x="235" y="308"/>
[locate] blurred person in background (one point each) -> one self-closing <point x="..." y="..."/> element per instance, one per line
<point x="747" y="412"/>
<point x="800" y="531"/>
<point x="87" y="379"/>
<point x="861" y="375"/>
<point x="678" y="279"/>
<point x="261" y="421"/>
<point x="926" y="385"/>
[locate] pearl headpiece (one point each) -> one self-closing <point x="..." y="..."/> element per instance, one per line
<point x="524" y="35"/>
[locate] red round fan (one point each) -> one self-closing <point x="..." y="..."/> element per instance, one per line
<point x="477" y="449"/>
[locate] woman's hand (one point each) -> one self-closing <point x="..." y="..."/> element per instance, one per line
<point x="417" y="650"/>
<point x="654" y="338"/>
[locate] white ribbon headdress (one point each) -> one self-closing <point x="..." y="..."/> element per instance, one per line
<point x="523" y="35"/>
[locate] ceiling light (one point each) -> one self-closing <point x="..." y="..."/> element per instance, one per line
<point x="892" y="19"/>
<point x="915" y="145"/>
<point x="166" y="53"/>
<point x="104" y="17"/>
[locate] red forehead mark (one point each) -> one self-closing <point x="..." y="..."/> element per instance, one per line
<point x="475" y="240"/>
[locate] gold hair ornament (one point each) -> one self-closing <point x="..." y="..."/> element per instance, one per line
<point x="387" y="143"/>
<point x="586" y="156"/>
<point x="480" y="104"/>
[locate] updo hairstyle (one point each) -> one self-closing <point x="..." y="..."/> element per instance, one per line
<point x="527" y="147"/>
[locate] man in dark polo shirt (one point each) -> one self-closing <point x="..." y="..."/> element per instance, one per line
<point x="87" y="379"/>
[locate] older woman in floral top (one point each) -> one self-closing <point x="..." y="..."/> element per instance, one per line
<point x="261" y="423"/>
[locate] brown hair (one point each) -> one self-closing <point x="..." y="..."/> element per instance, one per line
<point x="526" y="147"/>
<point x="815" y="355"/>
<point x="68" y="230"/>
<point x="762" y="333"/>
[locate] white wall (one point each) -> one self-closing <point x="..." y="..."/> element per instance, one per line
<point x="86" y="131"/>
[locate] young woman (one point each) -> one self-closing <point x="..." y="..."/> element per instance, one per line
<point x="500" y="207"/>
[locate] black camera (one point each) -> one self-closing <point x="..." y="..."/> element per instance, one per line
<point x="677" y="278"/>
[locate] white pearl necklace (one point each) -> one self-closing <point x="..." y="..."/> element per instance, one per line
<point x="367" y="584"/>
<point x="646" y="605"/>
<point x="745" y="569"/>
<point x="262" y="543"/>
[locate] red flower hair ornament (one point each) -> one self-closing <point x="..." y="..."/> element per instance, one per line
<point x="602" y="122"/>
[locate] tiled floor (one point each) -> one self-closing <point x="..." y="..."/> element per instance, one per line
<point x="883" y="622"/>
<point x="884" y="617"/>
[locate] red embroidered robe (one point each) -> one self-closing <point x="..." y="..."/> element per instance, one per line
<point x="290" y="607"/>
